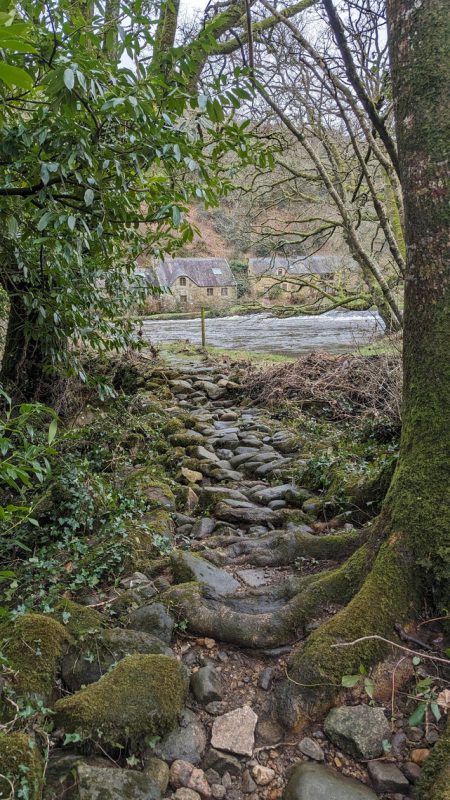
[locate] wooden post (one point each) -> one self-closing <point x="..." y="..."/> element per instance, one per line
<point x="203" y="327"/>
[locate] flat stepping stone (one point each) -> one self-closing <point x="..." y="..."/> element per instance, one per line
<point x="272" y="493"/>
<point x="187" y="567"/>
<point x="253" y="577"/>
<point x="256" y="514"/>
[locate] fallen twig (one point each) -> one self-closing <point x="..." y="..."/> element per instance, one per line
<point x="394" y="644"/>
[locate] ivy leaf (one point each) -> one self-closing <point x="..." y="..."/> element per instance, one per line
<point x="71" y="222"/>
<point x="350" y="680"/>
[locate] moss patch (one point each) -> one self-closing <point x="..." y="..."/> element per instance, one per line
<point x="78" y="620"/>
<point x="34" y="645"/>
<point x="21" y="767"/>
<point x="143" y="696"/>
<point x="434" y="783"/>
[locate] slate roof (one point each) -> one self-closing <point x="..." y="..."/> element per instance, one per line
<point x="314" y="265"/>
<point x="202" y="271"/>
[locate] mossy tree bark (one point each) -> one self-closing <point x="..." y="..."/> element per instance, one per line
<point x="410" y="539"/>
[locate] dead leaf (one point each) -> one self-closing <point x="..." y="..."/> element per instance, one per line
<point x="443" y="700"/>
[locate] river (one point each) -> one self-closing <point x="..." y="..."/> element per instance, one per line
<point x="335" y="332"/>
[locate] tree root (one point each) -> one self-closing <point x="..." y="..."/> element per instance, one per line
<point x="219" y="620"/>
<point x="281" y="548"/>
<point x="386" y="596"/>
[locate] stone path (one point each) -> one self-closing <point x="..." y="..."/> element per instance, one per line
<point x="241" y="476"/>
<point x="236" y="541"/>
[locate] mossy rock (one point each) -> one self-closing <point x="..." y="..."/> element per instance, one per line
<point x="21" y="767"/>
<point x="156" y="528"/>
<point x="78" y="620"/>
<point x="142" y="696"/>
<point x="153" y="485"/>
<point x="187" y="439"/>
<point x="87" y="661"/>
<point x="34" y="645"/>
<point x="172" y="426"/>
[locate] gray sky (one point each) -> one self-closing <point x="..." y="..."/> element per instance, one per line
<point x="190" y="6"/>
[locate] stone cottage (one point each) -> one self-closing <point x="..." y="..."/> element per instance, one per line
<point x="267" y="275"/>
<point x="195" y="282"/>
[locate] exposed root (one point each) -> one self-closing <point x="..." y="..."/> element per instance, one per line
<point x="220" y="620"/>
<point x="385" y="597"/>
<point x="281" y="548"/>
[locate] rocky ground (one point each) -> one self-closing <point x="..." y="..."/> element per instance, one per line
<point x="211" y="723"/>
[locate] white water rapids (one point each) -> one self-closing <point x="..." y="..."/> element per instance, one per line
<point x="335" y="332"/>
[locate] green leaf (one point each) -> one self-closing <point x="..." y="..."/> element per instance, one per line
<point x="11" y="224"/>
<point x="16" y="45"/>
<point x="369" y="687"/>
<point x="435" y="711"/>
<point x="15" y="76"/>
<point x="44" y="220"/>
<point x="350" y="680"/>
<point x="418" y="715"/>
<point x="176" y="216"/>
<point x="69" y="78"/>
<point x="70" y="738"/>
<point x="89" y="197"/>
<point x="53" y="427"/>
<point x="71" y="222"/>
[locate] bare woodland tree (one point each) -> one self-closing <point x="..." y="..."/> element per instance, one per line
<point x="336" y="172"/>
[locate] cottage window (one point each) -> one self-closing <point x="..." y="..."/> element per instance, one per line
<point x="279" y="272"/>
<point x="224" y="292"/>
<point x="285" y="287"/>
<point x="183" y="298"/>
<point x="182" y="281"/>
<point x="210" y="291"/>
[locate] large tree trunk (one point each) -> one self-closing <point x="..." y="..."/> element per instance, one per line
<point x="409" y="543"/>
